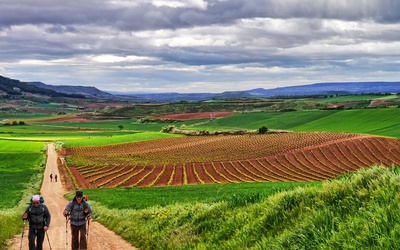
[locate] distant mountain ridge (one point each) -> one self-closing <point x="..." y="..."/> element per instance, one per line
<point x="14" y="87"/>
<point x="80" y="90"/>
<point x="330" y="88"/>
<point x="11" y="86"/>
<point x="338" y="88"/>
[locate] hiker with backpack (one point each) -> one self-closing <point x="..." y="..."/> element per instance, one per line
<point x="39" y="219"/>
<point x="79" y="211"/>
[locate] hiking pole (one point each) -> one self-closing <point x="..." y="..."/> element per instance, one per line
<point x="48" y="239"/>
<point x="87" y="231"/>
<point x="66" y="232"/>
<point x="23" y="231"/>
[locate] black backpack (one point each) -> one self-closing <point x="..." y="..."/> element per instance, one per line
<point x="85" y="204"/>
<point x="41" y="205"/>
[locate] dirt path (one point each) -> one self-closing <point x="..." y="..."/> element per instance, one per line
<point x="53" y="192"/>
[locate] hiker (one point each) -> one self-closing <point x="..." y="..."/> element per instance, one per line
<point x="80" y="212"/>
<point x="51" y="177"/>
<point x="55" y="177"/>
<point x="39" y="219"/>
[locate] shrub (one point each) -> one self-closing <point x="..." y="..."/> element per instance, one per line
<point x="263" y="130"/>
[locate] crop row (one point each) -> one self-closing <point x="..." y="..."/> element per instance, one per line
<point x="201" y="148"/>
<point x="323" y="161"/>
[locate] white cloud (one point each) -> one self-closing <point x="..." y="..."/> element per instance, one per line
<point x="180" y="4"/>
<point x="199" y="45"/>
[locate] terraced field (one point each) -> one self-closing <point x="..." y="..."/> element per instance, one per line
<point x="229" y="159"/>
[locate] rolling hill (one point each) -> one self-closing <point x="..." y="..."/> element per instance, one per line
<point x="14" y="87"/>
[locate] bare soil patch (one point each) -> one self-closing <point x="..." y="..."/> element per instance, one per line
<point x="377" y="103"/>
<point x="222" y="159"/>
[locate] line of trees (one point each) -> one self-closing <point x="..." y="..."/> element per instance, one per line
<point x="14" y="123"/>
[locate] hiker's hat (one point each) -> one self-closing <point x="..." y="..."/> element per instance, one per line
<point x="36" y="198"/>
<point x="79" y="193"/>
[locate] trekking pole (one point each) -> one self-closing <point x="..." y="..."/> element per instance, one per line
<point x="48" y="240"/>
<point x="22" y="237"/>
<point x="87" y="231"/>
<point x="66" y="232"/>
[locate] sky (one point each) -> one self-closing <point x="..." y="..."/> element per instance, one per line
<point x="197" y="46"/>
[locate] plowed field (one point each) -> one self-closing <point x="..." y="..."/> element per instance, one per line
<point x="223" y="159"/>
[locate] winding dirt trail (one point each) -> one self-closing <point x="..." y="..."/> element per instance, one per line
<point x="53" y="193"/>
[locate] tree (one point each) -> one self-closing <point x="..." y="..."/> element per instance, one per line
<point x="263" y="130"/>
<point x="120" y="127"/>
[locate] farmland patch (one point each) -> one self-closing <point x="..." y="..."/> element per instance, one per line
<point x="230" y="159"/>
<point x="193" y="116"/>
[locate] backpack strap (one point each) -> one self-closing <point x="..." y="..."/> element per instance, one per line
<point x="43" y="209"/>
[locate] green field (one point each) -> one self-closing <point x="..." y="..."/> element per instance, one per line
<point x="20" y="160"/>
<point x="353" y="98"/>
<point x="215" y="216"/>
<point x="237" y="194"/>
<point x="369" y="121"/>
<point x="384" y="121"/>
<point x="102" y="139"/>
<point x="359" y="211"/>
<point x="21" y="168"/>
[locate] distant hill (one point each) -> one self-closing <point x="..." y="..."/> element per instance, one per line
<point x="15" y="87"/>
<point x="174" y="96"/>
<point x="11" y="87"/>
<point x="91" y="92"/>
<point x="338" y="88"/>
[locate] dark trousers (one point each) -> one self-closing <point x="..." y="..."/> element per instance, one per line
<point x="36" y="238"/>
<point x="78" y="235"/>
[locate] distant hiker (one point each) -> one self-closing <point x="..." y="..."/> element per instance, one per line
<point x="55" y="177"/>
<point x="51" y="177"/>
<point x="39" y="219"/>
<point x="80" y="212"/>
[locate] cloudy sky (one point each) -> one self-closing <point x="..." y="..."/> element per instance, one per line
<point x="199" y="45"/>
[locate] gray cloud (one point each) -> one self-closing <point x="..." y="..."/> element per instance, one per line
<point x="219" y="45"/>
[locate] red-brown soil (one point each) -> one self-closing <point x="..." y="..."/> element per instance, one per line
<point x="224" y="159"/>
<point x="377" y="103"/>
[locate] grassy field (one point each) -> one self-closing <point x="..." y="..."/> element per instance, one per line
<point x="20" y="160"/>
<point x="141" y="198"/>
<point x="384" y="121"/>
<point x="21" y="171"/>
<point x="132" y="125"/>
<point x="219" y="216"/>
<point x="102" y="139"/>
<point x="352" y="98"/>
<point x="368" y="121"/>
<point x="358" y="211"/>
<point x="272" y="120"/>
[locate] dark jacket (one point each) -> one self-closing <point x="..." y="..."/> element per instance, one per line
<point x="38" y="217"/>
<point x="78" y="212"/>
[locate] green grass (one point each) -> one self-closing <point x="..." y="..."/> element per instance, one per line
<point x="21" y="173"/>
<point x="140" y="198"/>
<point x="220" y="216"/>
<point x="352" y="98"/>
<point x="379" y="121"/>
<point x="102" y="139"/>
<point x="19" y="162"/>
<point x="272" y="120"/>
<point x="358" y="211"/>
<point x="369" y="121"/>
<point x="131" y="125"/>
